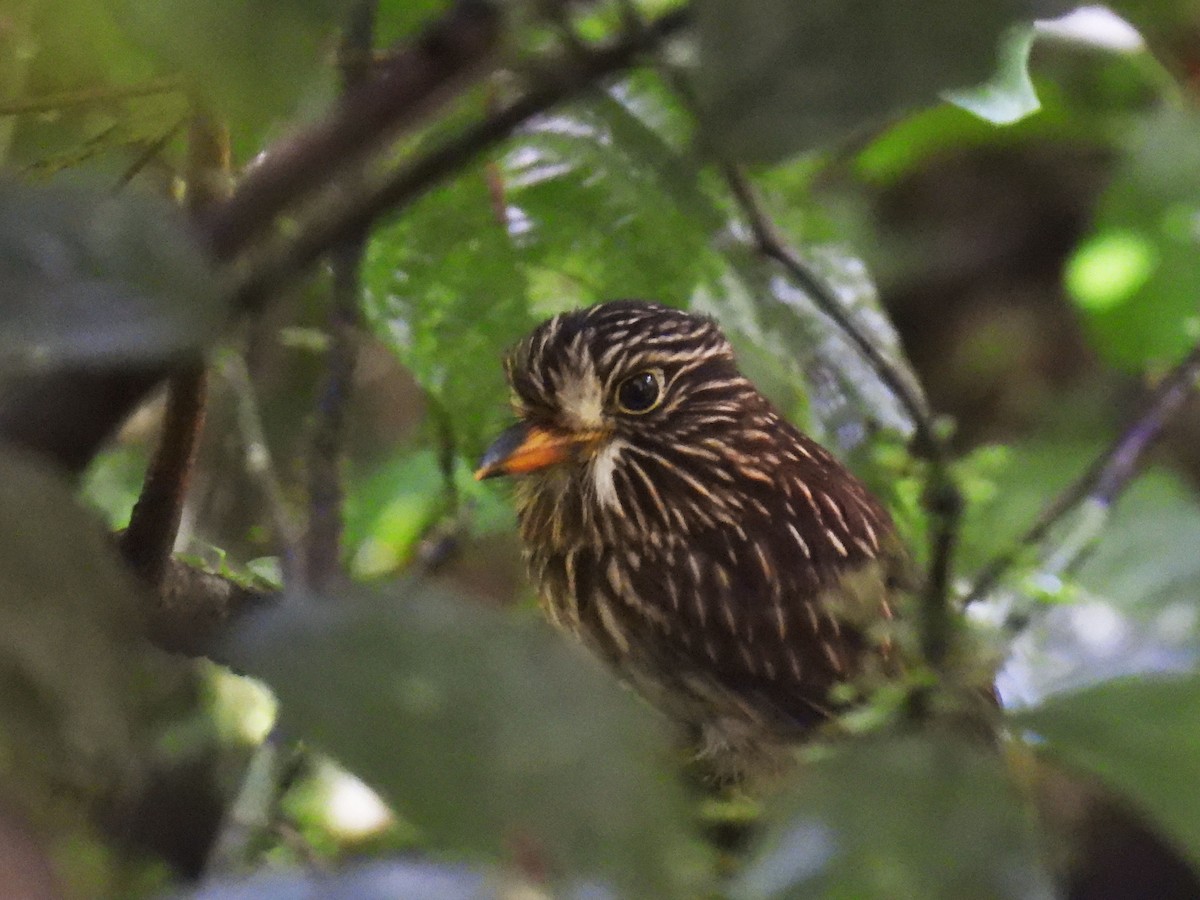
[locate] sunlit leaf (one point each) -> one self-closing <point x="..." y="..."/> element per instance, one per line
<point x="88" y="277"/>
<point x="1140" y="736"/>
<point x="903" y="818"/>
<point x="1009" y="95"/>
<point x="448" y="294"/>
<point x="487" y="733"/>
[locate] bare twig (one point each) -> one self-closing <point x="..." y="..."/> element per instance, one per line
<point x="566" y="77"/>
<point x="447" y="57"/>
<point x="86" y="96"/>
<point x="153" y="527"/>
<point x="942" y="501"/>
<point x="259" y="464"/>
<point x="323" y="542"/>
<point x="1108" y="475"/>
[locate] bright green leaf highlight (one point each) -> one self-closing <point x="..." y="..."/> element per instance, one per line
<point x="1009" y="95"/>
<point x="1110" y="268"/>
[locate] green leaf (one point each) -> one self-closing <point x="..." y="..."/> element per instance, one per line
<point x="88" y="277"/>
<point x="1140" y="736"/>
<point x="609" y="161"/>
<point x="1009" y="95"/>
<point x="448" y="295"/>
<point x="1135" y="279"/>
<point x="918" y="817"/>
<point x="775" y="77"/>
<point x="252" y="61"/>
<point x="486" y="732"/>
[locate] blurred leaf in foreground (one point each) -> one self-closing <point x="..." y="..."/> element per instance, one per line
<point x="75" y="672"/>
<point x="909" y="818"/>
<point x="822" y="70"/>
<point x="1140" y="736"/>
<point x="489" y="734"/>
<point x="91" y="278"/>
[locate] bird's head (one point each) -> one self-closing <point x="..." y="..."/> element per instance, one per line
<point x="632" y="417"/>
<point x="592" y="383"/>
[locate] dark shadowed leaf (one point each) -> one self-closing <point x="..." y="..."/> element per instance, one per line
<point x="903" y="818"/>
<point x="73" y="666"/>
<point x="1140" y="736"/>
<point x="776" y="77"/>
<point x="92" y="278"/>
<point x="486" y="732"/>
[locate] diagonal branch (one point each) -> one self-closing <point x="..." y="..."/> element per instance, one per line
<point x="942" y="500"/>
<point x="1109" y="474"/>
<point x="559" y="80"/>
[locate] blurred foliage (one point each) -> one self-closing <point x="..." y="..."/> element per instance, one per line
<point x="508" y="760"/>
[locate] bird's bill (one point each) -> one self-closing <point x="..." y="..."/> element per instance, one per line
<point x="526" y="448"/>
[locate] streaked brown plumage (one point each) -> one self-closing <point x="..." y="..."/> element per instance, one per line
<point x="718" y="559"/>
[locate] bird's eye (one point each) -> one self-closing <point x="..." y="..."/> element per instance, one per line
<point x="640" y="393"/>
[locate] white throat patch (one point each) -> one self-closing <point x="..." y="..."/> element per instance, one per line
<point x="603" y="466"/>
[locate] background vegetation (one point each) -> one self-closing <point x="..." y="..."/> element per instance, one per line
<point x="350" y="208"/>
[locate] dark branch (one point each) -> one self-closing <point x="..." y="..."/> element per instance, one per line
<point x="193" y="609"/>
<point x="1109" y="474"/>
<point x="149" y="539"/>
<point x="558" y="81"/>
<point x="323" y="542"/>
<point x="414" y="83"/>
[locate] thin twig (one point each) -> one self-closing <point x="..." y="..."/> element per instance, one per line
<point x="942" y="500"/>
<point x="1108" y="475"/>
<point x="84" y="96"/>
<point x="560" y="80"/>
<point x="259" y="465"/>
<point x="323" y="543"/>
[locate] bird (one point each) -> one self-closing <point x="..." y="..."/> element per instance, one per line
<point x="724" y="564"/>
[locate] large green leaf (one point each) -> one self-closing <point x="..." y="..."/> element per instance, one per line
<point x="446" y="291"/>
<point x="1142" y="737"/>
<point x="918" y="817"/>
<point x="92" y="278"/>
<point x="776" y="77"/>
<point x="485" y="731"/>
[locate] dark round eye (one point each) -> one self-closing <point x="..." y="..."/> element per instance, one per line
<point x="640" y="393"/>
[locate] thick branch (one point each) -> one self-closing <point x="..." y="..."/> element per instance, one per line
<point x="558" y="81"/>
<point x="414" y="83"/>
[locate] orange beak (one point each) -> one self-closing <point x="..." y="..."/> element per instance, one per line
<point x="526" y="448"/>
